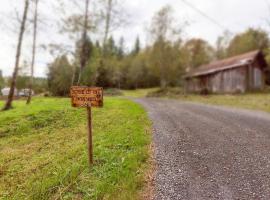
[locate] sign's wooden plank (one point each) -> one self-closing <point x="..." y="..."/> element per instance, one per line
<point x="86" y="96"/>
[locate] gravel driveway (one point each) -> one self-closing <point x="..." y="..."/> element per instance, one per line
<point x="208" y="152"/>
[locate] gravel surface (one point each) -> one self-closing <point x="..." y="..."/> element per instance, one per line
<point x="208" y="152"/>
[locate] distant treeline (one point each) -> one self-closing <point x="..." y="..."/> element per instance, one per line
<point x="140" y="67"/>
<point x="107" y="63"/>
<point x="161" y="64"/>
<point x="40" y="86"/>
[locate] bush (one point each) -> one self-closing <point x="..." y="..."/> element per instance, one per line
<point x="167" y="92"/>
<point x="113" y="92"/>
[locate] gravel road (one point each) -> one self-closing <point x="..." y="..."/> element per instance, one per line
<point x="208" y="152"/>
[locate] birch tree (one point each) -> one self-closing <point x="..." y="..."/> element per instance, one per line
<point x="84" y="54"/>
<point x="77" y="24"/>
<point x="163" y="32"/>
<point x="113" y="17"/>
<point x="108" y="16"/>
<point x="33" y="51"/>
<point x="8" y="104"/>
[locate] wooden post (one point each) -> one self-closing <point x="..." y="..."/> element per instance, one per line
<point x="85" y="97"/>
<point x="90" y="136"/>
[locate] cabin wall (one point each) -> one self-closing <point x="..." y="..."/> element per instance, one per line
<point x="249" y="77"/>
<point x="227" y="81"/>
<point x="233" y="81"/>
<point x="192" y="85"/>
<point x="256" y="77"/>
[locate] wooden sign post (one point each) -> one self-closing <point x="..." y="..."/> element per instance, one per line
<point x="87" y="97"/>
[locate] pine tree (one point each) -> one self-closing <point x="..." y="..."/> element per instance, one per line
<point x="137" y="46"/>
<point x="121" y="49"/>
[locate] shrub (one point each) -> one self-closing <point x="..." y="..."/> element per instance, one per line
<point x="113" y="92"/>
<point x="166" y="92"/>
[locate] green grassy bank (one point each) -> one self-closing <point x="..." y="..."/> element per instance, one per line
<point x="43" y="152"/>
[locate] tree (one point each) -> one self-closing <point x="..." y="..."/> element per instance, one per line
<point x="197" y="52"/>
<point x="166" y="55"/>
<point x="59" y="76"/>
<point x="139" y="75"/>
<point x="84" y="52"/>
<point x="8" y="104"/>
<point x="112" y="17"/>
<point x="103" y="76"/>
<point x="250" y="40"/>
<point x="137" y="47"/>
<point x="89" y="74"/>
<point x="2" y="81"/>
<point x="111" y="48"/>
<point x="121" y="48"/>
<point x="108" y="18"/>
<point x="84" y="57"/>
<point x="33" y="51"/>
<point x="162" y="30"/>
<point x="222" y="44"/>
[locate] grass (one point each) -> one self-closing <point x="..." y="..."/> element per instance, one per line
<point x="247" y="101"/>
<point x="139" y="92"/>
<point x="253" y="101"/>
<point x="43" y="151"/>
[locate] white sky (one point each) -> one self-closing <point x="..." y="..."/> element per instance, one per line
<point x="236" y="15"/>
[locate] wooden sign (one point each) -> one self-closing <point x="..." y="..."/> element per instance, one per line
<point x="86" y="96"/>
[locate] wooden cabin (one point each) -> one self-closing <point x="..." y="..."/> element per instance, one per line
<point x="237" y="74"/>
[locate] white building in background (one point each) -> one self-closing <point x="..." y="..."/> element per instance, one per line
<point x="5" y="91"/>
<point x="25" y="92"/>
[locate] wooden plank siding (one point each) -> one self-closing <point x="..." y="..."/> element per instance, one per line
<point x="238" y="74"/>
<point x="227" y="81"/>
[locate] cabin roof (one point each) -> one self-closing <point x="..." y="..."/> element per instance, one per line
<point x="228" y="63"/>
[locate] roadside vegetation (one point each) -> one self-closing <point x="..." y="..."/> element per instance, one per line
<point x="43" y="151"/>
<point x="139" y="92"/>
<point x="254" y="101"/>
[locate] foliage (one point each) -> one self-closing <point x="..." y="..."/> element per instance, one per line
<point x="163" y="51"/>
<point x="60" y="76"/>
<point x="161" y="63"/>
<point x="40" y="84"/>
<point x="252" y="39"/>
<point x="197" y="52"/>
<point x="167" y="92"/>
<point x="137" y="47"/>
<point x="43" y="155"/>
<point x="113" y="92"/>
<point x="222" y="44"/>
<point x="139" y="93"/>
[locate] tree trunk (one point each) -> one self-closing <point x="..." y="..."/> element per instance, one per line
<point x="84" y="38"/>
<point x="107" y="25"/>
<point x="8" y="104"/>
<point x="33" y="53"/>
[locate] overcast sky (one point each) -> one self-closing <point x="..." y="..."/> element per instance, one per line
<point x="234" y="15"/>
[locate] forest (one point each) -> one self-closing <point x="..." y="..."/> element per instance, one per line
<point x="97" y="58"/>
